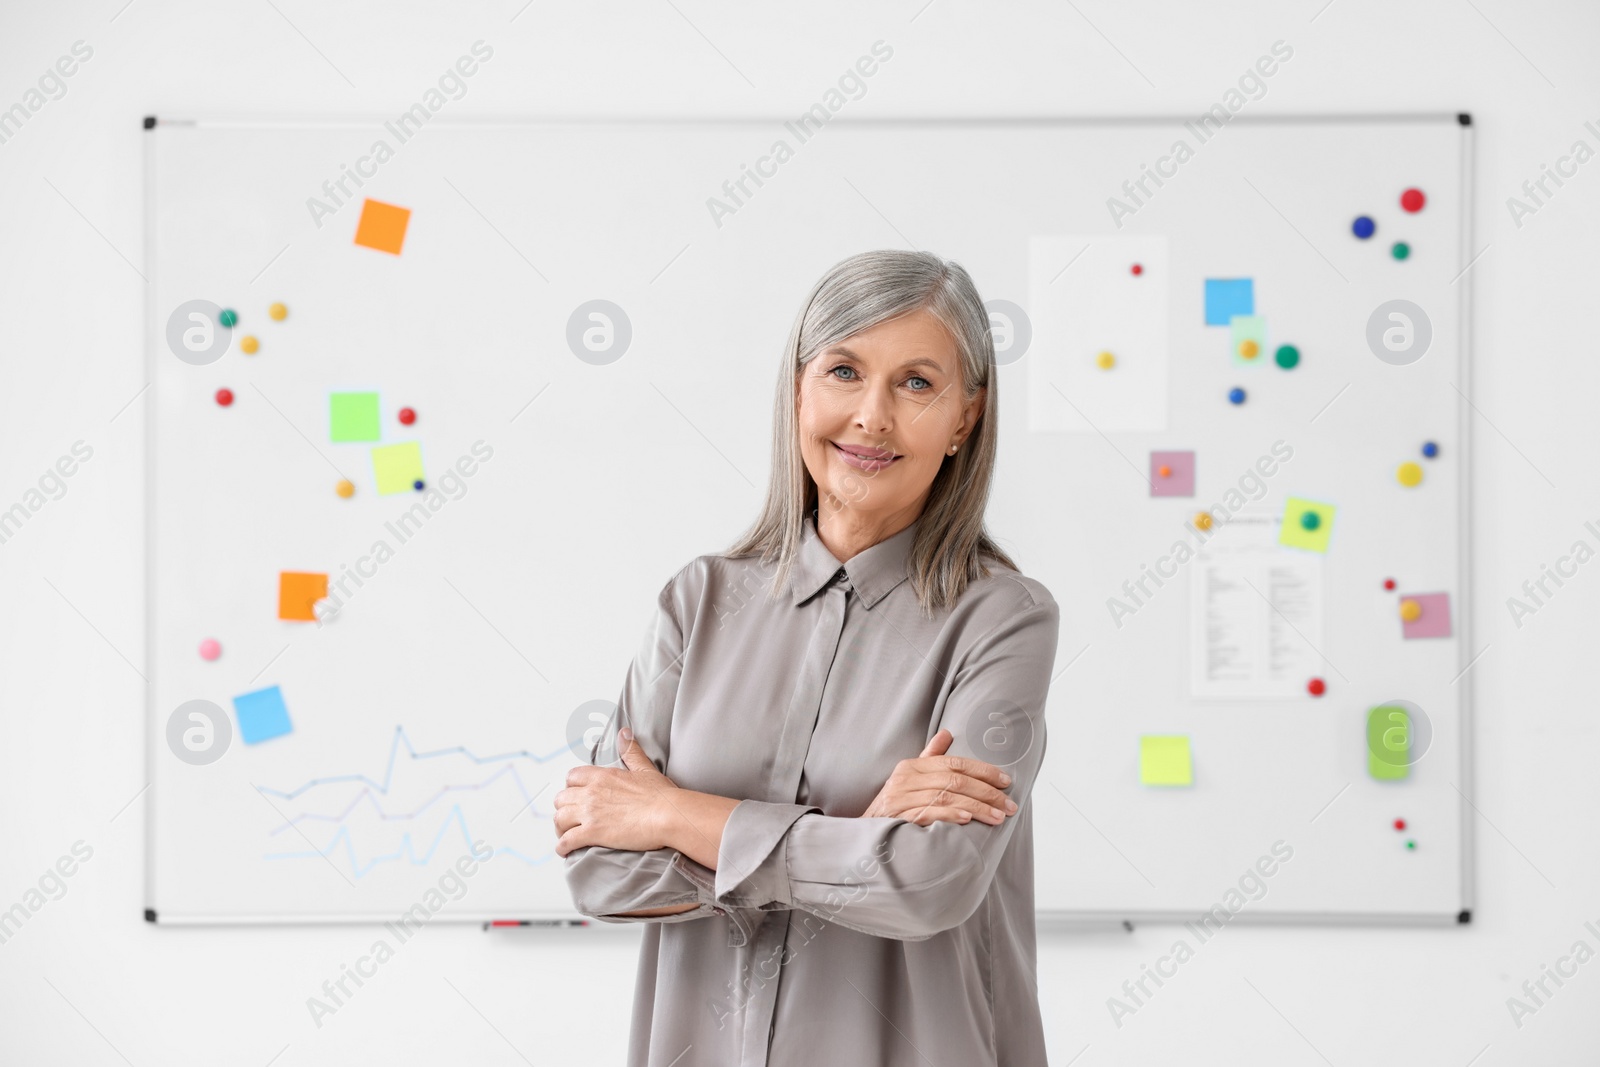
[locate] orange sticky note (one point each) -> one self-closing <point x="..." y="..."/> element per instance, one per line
<point x="297" y="592"/>
<point x="382" y="226"/>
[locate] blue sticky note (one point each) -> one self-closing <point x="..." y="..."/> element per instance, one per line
<point x="1227" y="297"/>
<point x="262" y="715"/>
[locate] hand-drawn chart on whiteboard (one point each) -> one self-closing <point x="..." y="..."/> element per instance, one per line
<point x="434" y="417"/>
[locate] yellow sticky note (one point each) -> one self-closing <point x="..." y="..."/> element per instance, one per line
<point x="298" y="591"/>
<point x="1164" y="760"/>
<point x="397" y="468"/>
<point x="1306" y="524"/>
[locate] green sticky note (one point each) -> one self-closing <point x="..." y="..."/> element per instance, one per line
<point x="397" y="468"/>
<point x="1299" y="532"/>
<point x="1164" y="760"/>
<point x="1242" y="328"/>
<point x="1388" y="742"/>
<point x="353" y="417"/>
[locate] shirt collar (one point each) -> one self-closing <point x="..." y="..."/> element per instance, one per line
<point x="873" y="571"/>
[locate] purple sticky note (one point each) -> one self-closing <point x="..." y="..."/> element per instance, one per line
<point x="1435" y="618"/>
<point x="1179" y="479"/>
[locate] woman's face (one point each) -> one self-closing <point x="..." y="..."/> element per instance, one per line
<point x="895" y="388"/>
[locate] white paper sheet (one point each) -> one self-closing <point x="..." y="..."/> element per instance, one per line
<point x="1085" y="299"/>
<point x="1255" y="614"/>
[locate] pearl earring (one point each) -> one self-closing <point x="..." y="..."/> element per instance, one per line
<point x="953" y="449"/>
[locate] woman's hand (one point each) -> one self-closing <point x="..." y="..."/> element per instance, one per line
<point x="614" y="807"/>
<point x="938" y="788"/>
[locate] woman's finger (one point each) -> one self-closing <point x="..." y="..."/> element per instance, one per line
<point x="929" y="816"/>
<point x="633" y="756"/>
<point x="938" y="744"/>
<point x="940" y="798"/>
<point x="566" y="817"/>
<point x="570" y="840"/>
<point x="953" y="783"/>
<point x="972" y="768"/>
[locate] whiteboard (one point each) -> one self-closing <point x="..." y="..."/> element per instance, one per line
<point x="434" y="707"/>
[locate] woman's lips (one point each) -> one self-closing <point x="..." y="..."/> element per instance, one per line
<point x="865" y="462"/>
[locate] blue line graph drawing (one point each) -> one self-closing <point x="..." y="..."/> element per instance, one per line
<point x="368" y="795"/>
<point x="407" y="850"/>
<point x="372" y="789"/>
<point x="394" y="750"/>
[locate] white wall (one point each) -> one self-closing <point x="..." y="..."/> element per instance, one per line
<point x="86" y="981"/>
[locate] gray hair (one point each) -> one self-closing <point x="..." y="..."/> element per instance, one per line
<point x="854" y="295"/>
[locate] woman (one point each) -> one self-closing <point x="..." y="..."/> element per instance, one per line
<point x="813" y="895"/>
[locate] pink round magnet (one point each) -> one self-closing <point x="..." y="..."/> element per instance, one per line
<point x="210" y="648"/>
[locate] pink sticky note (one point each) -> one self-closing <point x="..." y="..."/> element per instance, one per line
<point x="1435" y="618"/>
<point x="1179" y="479"/>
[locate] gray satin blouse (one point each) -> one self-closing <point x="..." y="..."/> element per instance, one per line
<point x="823" y="937"/>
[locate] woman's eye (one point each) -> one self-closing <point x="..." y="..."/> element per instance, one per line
<point x="851" y="376"/>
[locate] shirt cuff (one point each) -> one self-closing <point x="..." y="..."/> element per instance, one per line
<point x="742" y="922"/>
<point x="753" y="862"/>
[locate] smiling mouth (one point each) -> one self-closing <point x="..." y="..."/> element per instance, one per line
<point x="872" y="459"/>
<point x="866" y="453"/>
